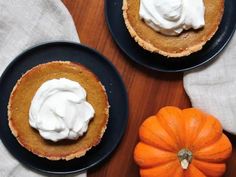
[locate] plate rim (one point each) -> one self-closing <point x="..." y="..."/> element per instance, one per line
<point x="126" y="103"/>
<point x="159" y="69"/>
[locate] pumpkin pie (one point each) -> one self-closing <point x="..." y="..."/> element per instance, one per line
<point x="23" y="93"/>
<point x="172" y="46"/>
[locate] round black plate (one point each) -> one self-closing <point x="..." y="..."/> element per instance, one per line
<point x="107" y="75"/>
<point x="115" y="22"/>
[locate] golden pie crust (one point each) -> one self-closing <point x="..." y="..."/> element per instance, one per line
<point x="24" y="91"/>
<point x="172" y="46"/>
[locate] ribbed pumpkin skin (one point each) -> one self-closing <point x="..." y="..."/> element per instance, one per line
<point x="163" y="135"/>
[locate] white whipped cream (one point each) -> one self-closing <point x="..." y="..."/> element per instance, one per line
<point x="171" y="17"/>
<point x="59" y="110"/>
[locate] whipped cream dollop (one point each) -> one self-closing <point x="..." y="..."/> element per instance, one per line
<point x="59" y="110"/>
<point x="171" y="17"/>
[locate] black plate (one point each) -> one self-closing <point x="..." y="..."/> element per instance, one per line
<point x="107" y="75"/>
<point x="158" y="62"/>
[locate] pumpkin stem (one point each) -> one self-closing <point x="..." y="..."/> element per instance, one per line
<point x="185" y="158"/>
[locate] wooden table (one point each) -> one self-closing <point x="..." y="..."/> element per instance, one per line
<point x="148" y="91"/>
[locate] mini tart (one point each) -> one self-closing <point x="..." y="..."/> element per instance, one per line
<point x="20" y="101"/>
<point x="172" y="46"/>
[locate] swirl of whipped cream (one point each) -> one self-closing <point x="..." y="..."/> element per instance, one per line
<point x="171" y="17"/>
<point x="59" y="110"/>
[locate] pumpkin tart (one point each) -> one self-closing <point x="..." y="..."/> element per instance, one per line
<point x="172" y="46"/>
<point x="23" y="93"/>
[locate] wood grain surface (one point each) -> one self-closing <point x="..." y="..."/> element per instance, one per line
<point x="148" y="91"/>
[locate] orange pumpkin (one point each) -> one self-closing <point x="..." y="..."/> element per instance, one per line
<point x="182" y="143"/>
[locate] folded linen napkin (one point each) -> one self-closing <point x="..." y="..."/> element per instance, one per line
<point x="213" y="88"/>
<point x="24" y="23"/>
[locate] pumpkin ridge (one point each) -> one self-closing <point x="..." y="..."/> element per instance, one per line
<point x="179" y="172"/>
<point x="171" y="119"/>
<point x="226" y="149"/>
<point x="202" y="164"/>
<point x="199" y="128"/>
<point x="159" y="157"/>
<point x="213" y="141"/>
<point x="152" y="132"/>
<point x="164" y="163"/>
<point x="169" y="132"/>
<point x="153" y="145"/>
<point x="219" y="152"/>
<point x="158" y="170"/>
<point x="202" y="173"/>
<point x="199" y="170"/>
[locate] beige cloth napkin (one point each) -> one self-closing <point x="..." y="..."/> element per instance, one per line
<point x="213" y="88"/>
<point x="24" y="23"/>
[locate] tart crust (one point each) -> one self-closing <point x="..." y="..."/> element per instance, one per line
<point x="172" y="46"/>
<point x="20" y="100"/>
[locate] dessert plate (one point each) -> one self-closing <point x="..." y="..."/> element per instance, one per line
<point x="116" y="25"/>
<point x="106" y="73"/>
